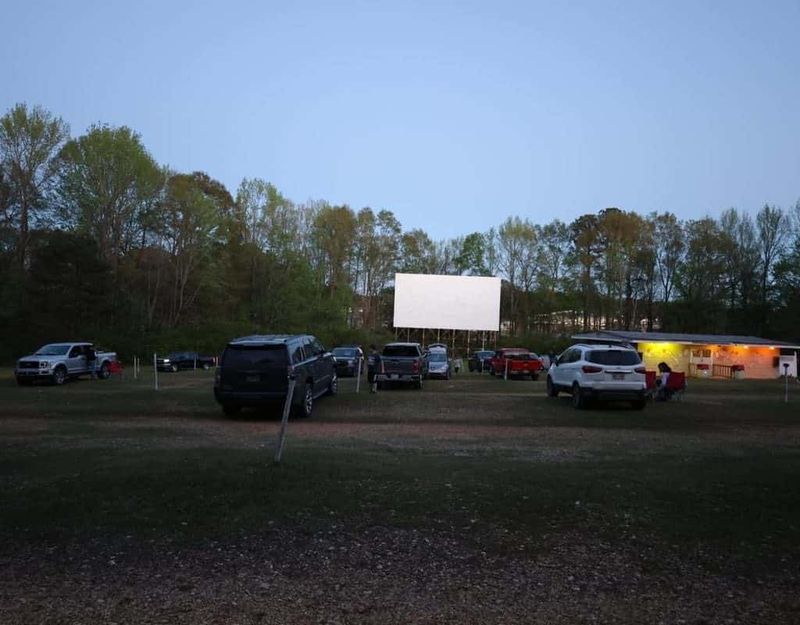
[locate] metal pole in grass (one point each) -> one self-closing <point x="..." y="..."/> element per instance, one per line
<point x="786" y="382"/>
<point x="285" y="418"/>
<point x="155" y="372"/>
<point x="505" y="375"/>
<point x="358" y="374"/>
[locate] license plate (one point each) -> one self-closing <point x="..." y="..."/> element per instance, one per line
<point x="618" y="376"/>
<point x="394" y="376"/>
<point x="252" y="378"/>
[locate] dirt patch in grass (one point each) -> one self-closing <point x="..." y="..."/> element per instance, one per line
<point x="385" y="575"/>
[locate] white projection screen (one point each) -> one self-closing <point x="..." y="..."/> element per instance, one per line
<point x="446" y="302"/>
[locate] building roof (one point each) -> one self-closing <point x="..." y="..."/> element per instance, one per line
<point x="629" y="336"/>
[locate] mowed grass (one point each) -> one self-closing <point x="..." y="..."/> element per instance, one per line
<point x="481" y="458"/>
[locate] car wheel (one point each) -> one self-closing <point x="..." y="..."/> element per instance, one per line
<point x="534" y="377"/>
<point x="174" y="368"/>
<point x="578" y="400"/>
<point x="105" y="371"/>
<point x="59" y="376"/>
<point x="639" y="404"/>
<point x="333" y="387"/>
<point x="231" y="410"/>
<point x="490" y="370"/>
<point x="206" y="366"/>
<point x="552" y="391"/>
<point x="306" y="406"/>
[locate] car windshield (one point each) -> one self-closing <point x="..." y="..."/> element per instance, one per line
<point x="519" y="356"/>
<point x="174" y="356"/>
<point x="344" y="352"/>
<point x="613" y="357"/>
<point x="438" y="357"/>
<point x="55" y="349"/>
<point x="255" y="357"/>
<point x="407" y="351"/>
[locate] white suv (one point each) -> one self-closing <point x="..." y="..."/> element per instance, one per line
<point x="604" y="372"/>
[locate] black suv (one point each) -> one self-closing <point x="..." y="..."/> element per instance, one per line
<point x="255" y="370"/>
<point x="480" y="360"/>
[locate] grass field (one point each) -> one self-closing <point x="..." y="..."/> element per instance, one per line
<point x="473" y="501"/>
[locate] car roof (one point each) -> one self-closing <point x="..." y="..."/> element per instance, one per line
<point x="401" y="343"/>
<point x="268" y="339"/>
<point x="607" y="346"/>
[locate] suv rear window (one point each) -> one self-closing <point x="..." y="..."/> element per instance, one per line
<point x="613" y="357"/>
<point x="406" y="351"/>
<point x="255" y="356"/>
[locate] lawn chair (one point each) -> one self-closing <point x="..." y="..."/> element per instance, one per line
<point x="675" y="387"/>
<point x="115" y="367"/>
<point x="650" y="383"/>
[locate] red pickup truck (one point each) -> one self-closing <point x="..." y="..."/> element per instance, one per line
<point x="520" y="362"/>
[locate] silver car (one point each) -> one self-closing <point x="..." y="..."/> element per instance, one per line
<point x="438" y="364"/>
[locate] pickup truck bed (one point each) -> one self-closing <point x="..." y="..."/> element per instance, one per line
<point x="402" y="363"/>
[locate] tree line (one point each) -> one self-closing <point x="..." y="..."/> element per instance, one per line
<point x="98" y="240"/>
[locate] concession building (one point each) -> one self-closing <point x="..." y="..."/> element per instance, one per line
<point x="706" y="355"/>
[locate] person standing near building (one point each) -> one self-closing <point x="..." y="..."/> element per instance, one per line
<point x="373" y="368"/>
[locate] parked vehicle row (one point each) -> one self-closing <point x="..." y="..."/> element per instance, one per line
<point x="256" y="370"/>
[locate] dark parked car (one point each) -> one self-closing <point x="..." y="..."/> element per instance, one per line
<point x="479" y="360"/>
<point x="184" y="360"/>
<point x="254" y="371"/>
<point x="347" y="360"/>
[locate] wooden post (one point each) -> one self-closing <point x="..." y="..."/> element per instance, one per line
<point x="155" y="371"/>
<point x="786" y="382"/>
<point x="287" y="406"/>
<point x="505" y="375"/>
<point x="358" y="374"/>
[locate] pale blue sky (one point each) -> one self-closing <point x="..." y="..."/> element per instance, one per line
<point x="454" y="115"/>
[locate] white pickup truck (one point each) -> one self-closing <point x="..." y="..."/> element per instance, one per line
<point x="57" y="362"/>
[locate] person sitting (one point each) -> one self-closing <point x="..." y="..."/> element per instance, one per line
<point x="664" y="370"/>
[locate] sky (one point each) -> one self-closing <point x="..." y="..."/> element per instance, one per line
<point x="453" y="115"/>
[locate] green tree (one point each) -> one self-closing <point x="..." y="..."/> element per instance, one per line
<point x="417" y="252"/>
<point x="700" y="280"/>
<point x="109" y="186"/>
<point x="583" y="259"/>
<point x="29" y="141"/>
<point x="471" y="255"/>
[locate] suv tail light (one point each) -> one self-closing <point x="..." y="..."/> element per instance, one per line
<point x="591" y="369"/>
<point x="415" y="366"/>
<point x="641" y="370"/>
